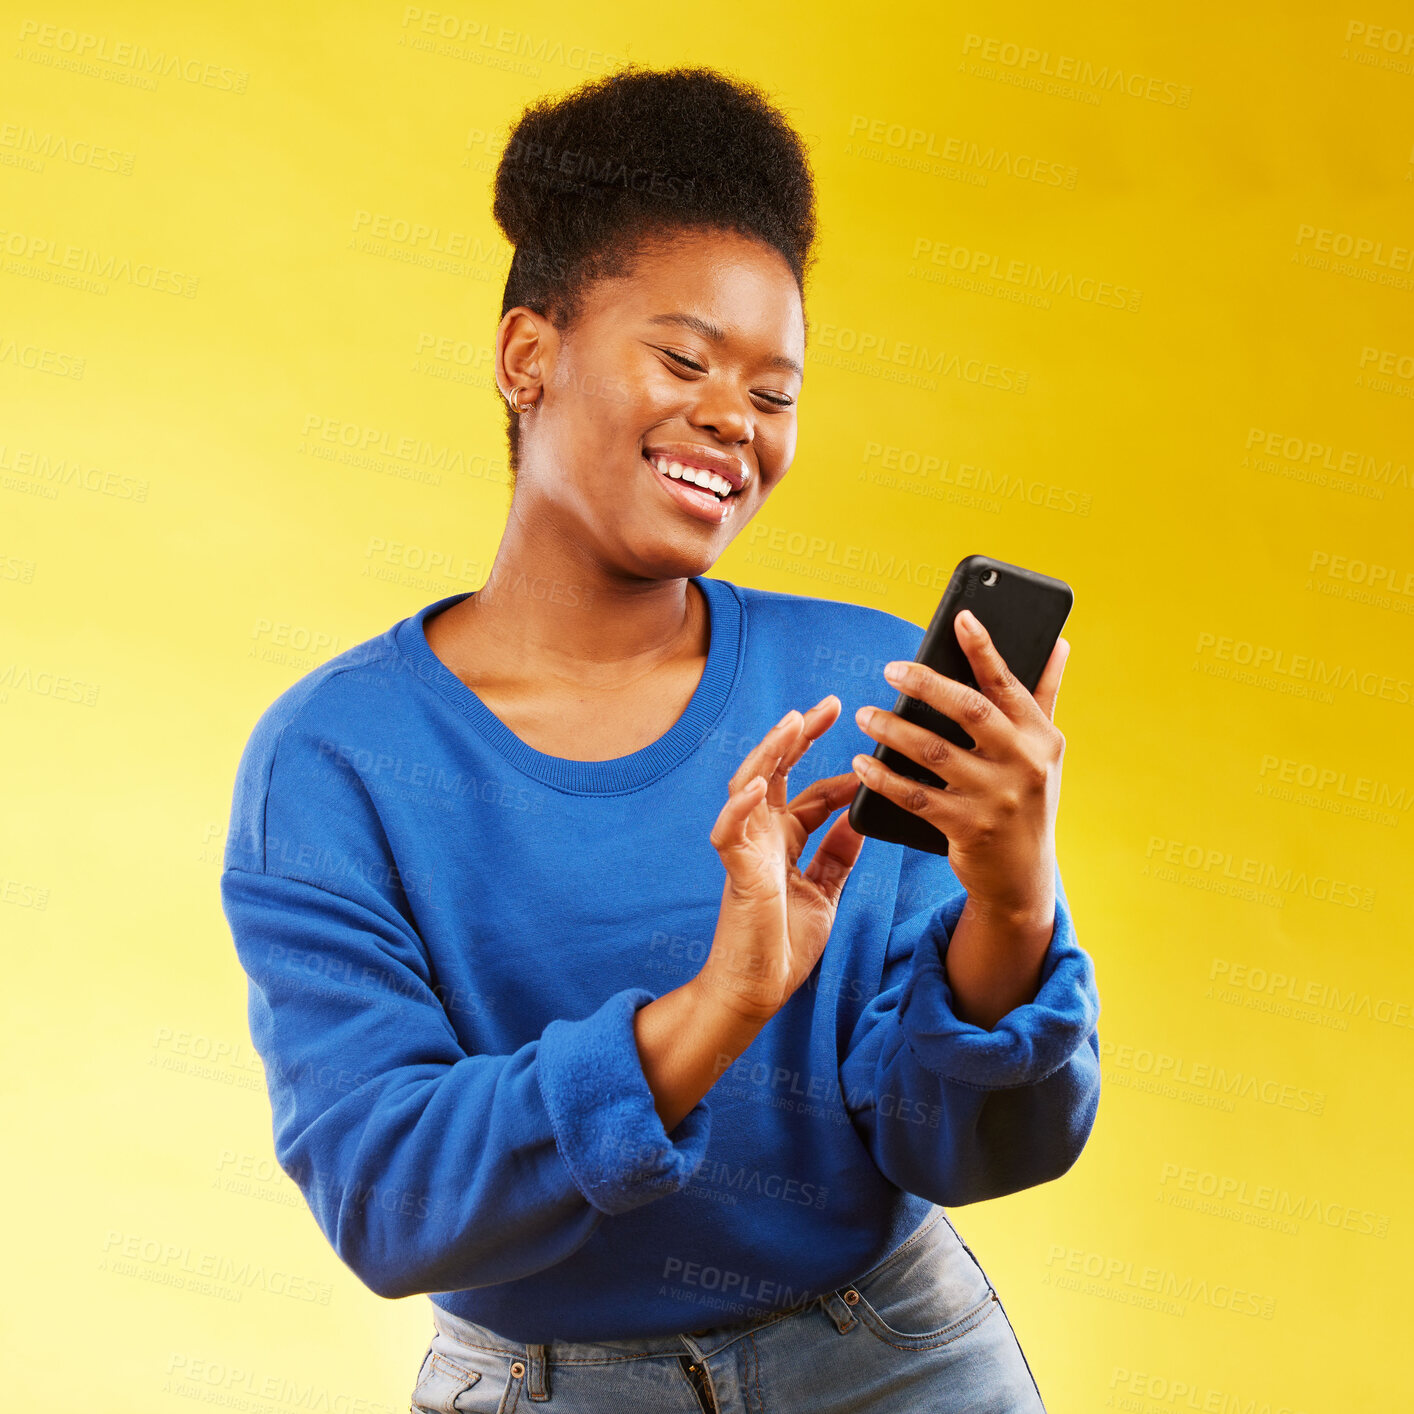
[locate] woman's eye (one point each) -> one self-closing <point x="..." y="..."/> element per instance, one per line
<point x="686" y="362"/>
<point x="776" y="400"/>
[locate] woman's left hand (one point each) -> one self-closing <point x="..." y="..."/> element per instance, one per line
<point x="999" y="808"/>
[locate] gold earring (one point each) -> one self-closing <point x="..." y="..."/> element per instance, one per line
<point x="515" y="402"/>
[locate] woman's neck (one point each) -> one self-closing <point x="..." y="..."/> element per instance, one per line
<point x="538" y="619"/>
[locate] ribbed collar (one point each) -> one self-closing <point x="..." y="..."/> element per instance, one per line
<point x="621" y="773"/>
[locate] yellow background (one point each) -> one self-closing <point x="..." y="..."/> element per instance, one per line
<point x="185" y="529"/>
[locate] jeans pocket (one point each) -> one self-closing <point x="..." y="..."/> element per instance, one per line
<point x="928" y="1294"/>
<point x="445" y="1385"/>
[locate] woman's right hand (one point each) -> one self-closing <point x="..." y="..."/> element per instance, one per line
<point x="775" y="919"/>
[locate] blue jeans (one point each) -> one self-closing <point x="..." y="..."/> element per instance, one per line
<point x="923" y="1332"/>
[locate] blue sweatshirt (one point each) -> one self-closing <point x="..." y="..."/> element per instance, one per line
<point x="447" y="934"/>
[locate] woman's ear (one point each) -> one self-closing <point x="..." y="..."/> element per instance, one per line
<point x="524" y="348"/>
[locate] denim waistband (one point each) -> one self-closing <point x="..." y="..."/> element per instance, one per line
<point x="703" y="1343"/>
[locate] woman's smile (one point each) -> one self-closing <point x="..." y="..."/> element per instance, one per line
<point x="704" y="482"/>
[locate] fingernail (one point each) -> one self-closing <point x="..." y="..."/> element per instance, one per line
<point x="784" y="720"/>
<point x="894" y="671"/>
<point x="968" y="620"/>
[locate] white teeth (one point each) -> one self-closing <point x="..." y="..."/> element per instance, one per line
<point x="708" y="480"/>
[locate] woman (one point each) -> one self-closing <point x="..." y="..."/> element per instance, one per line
<point x="551" y="1026"/>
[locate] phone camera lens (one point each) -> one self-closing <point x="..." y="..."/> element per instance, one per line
<point x="989" y="578"/>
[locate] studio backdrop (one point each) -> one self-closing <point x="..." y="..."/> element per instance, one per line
<point x="1125" y="296"/>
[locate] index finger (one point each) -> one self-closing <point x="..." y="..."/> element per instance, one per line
<point x="764" y="757"/>
<point x="818" y="720"/>
<point x="975" y="713"/>
<point x="995" y="679"/>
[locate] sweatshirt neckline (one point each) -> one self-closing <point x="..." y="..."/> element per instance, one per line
<point x="620" y="773"/>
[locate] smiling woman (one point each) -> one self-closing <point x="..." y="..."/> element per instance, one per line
<point x="549" y="1020"/>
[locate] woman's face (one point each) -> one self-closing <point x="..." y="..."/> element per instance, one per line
<point x="693" y="358"/>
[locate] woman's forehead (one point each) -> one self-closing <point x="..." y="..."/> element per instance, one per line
<point x="715" y="286"/>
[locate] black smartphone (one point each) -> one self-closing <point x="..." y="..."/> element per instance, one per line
<point x="1024" y="612"/>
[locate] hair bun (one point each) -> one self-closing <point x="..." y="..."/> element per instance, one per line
<point x="687" y="146"/>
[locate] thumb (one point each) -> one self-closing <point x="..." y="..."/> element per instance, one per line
<point x="834" y="857"/>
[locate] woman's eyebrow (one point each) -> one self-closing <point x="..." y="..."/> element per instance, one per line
<point x="708" y="330"/>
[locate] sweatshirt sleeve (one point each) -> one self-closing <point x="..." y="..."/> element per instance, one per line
<point x="952" y="1111"/>
<point x="427" y="1167"/>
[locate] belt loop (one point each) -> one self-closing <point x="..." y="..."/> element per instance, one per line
<point x="839" y="1311"/>
<point x="537" y="1375"/>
